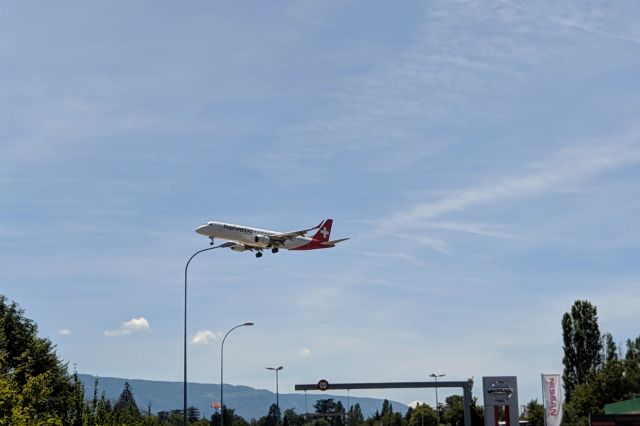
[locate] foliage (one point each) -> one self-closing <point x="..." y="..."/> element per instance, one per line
<point x="633" y="349"/>
<point x="387" y="417"/>
<point x="423" y="415"/>
<point x="230" y="418"/>
<point x="291" y="418"/>
<point x="193" y="414"/>
<point x="616" y="381"/>
<point x="35" y="386"/>
<point x="595" y="372"/>
<point x="103" y="411"/>
<point x="126" y="411"/>
<point x="609" y="348"/>
<point x="582" y="344"/>
<point x="356" y="418"/>
<point x="272" y="418"/>
<point x="325" y="406"/>
<point x="534" y="413"/>
<point x="453" y="411"/>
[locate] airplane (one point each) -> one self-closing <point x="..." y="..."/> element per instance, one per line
<point x="243" y="238"/>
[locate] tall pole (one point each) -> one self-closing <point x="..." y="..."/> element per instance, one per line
<point x="185" y="331"/>
<point x="435" y="376"/>
<point x="248" y="323"/>
<point x="276" y="369"/>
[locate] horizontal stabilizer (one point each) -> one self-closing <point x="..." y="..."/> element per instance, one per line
<point x="334" y="242"/>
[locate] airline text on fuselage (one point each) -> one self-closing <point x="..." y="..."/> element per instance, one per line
<point x="245" y="230"/>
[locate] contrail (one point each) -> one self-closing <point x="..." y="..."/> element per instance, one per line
<point x="572" y="24"/>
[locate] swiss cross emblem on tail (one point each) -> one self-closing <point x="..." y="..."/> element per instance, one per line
<point x="325" y="230"/>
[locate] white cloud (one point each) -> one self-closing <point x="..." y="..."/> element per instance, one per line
<point x="134" y="325"/>
<point x="204" y="337"/>
<point x="320" y="298"/>
<point x="574" y="24"/>
<point x="64" y="332"/>
<point x="619" y="303"/>
<point x="493" y="231"/>
<point x="395" y="256"/>
<point x="563" y="171"/>
<point x="433" y="243"/>
<point x="304" y="353"/>
<point x="414" y="404"/>
<point x="394" y="116"/>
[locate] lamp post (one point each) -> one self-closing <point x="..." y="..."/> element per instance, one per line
<point x="246" y="324"/>
<point x="185" y="324"/>
<point x="435" y="376"/>
<point x="276" y="369"/>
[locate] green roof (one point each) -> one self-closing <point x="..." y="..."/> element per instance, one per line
<point x="630" y="406"/>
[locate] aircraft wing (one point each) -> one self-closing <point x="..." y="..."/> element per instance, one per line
<point x="284" y="236"/>
<point x="253" y="247"/>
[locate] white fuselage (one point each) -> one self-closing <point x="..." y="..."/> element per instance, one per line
<point x="247" y="235"/>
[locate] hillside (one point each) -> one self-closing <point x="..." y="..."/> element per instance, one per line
<point x="248" y="402"/>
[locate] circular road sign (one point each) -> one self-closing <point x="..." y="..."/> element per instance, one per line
<point x="323" y="385"/>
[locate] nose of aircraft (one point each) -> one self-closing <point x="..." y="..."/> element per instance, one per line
<point x="202" y="229"/>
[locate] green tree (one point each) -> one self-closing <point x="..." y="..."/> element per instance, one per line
<point x="387" y="417"/>
<point x="31" y="368"/>
<point x="94" y="403"/>
<point x="103" y="410"/>
<point x="582" y="344"/>
<point x="291" y="418"/>
<point x="407" y="415"/>
<point x="193" y="414"/>
<point x="423" y="415"/>
<point x="324" y="406"/>
<point x="273" y="416"/>
<point x="230" y="418"/>
<point x="609" y="348"/>
<point x="173" y="418"/>
<point x="633" y="349"/>
<point x="339" y="420"/>
<point x="356" y="418"/>
<point x="387" y="408"/>
<point x="534" y="413"/>
<point x="616" y="381"/>
<point x="453" y="411"/>
<point x="126" y="410"/>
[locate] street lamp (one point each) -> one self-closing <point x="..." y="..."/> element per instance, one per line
<point x="435" y="376"/>
<point x="276" y="369"/>
<point x="246" y="324"/>
<point x="227" y="244"/>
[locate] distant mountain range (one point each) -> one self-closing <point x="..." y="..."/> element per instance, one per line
<point x="248" y="402"/>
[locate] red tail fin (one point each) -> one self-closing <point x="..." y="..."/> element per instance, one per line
<point x="325" y="230"/>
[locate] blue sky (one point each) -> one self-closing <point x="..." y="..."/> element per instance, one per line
<point x="482" y="156"/>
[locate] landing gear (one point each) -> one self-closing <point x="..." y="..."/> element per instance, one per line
<point x="259" y="254"/>
<point x="274" y="250"/>
<point x="211" y="243"/>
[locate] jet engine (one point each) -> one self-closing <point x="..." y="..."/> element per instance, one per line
<point x="238" y="247"/>
<point x="262" y="240"/>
